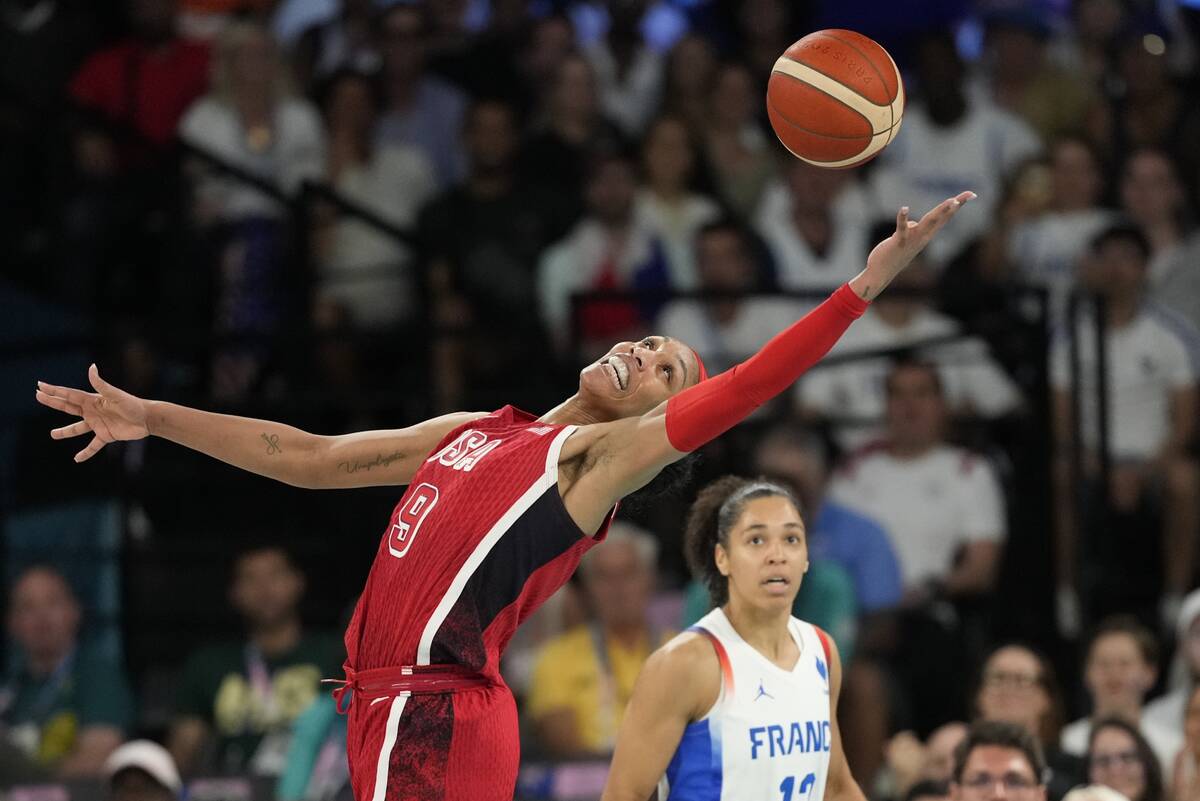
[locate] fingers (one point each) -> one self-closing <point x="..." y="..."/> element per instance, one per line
<point x="74" y="397"/>
<point x="91" y="450"/>
<point x="941" y="214"/>
<point x="55" y="402"/>
<point x="902" y="221"/>
<point x="73" y="430"/>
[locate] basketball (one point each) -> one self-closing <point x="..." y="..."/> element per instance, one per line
<point x="835" y="99"/>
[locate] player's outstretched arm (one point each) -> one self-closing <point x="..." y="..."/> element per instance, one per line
<point x="628" y="453"/>
<point x="274" y="450"/>
<point x="678" y="684"/>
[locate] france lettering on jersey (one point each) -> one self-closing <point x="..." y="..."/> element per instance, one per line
<point x="768" y="737"/>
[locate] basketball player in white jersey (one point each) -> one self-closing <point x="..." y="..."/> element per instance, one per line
<point x="741" y="705"/>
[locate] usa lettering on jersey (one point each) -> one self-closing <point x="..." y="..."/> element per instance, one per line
<point x="465" y="451"/>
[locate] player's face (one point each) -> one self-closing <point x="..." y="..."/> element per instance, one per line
<point x="1117" y="675"/>
<point x="1116" y="763"/>
<point x="634" y="377"/>
<point x="767" y="554"/>
<point x="43" y="615"/>
<point x="997" y="773"/>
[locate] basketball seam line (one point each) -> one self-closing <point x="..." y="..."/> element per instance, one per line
<point x="869" y="136"/>
<point x="830" y="77"/>
<point x="870" y="64"/>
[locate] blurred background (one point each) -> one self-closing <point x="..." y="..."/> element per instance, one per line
<point x="357" y="214"/>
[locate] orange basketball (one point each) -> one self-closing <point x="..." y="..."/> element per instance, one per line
<point x="835" y="99"/>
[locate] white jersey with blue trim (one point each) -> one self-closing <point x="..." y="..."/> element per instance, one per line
<point x="768" y="737"/>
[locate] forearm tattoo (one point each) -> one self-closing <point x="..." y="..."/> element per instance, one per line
<point x="380" y="460"/>
<point x="272" y="441"/>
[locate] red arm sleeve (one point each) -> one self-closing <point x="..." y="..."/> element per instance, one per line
<point x="703" y="412"/>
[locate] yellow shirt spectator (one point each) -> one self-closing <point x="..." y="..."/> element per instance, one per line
<point x="569" y="677"/>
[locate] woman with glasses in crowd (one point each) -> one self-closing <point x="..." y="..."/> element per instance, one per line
<point x="1018" y="685"/>
<point x="1119" y="757"/>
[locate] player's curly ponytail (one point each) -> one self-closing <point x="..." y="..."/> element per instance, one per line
<point x="713" y="515"/>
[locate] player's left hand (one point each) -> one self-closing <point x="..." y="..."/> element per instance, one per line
<point x="894" y="253"/>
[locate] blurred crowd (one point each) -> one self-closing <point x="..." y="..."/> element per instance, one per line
<point x="353" y="214"/>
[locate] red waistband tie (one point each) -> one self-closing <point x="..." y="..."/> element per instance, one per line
<point x="407" y="680"/>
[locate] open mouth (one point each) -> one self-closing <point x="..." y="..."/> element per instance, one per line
<point x="618" y="371"/>
<point x="775" y="581"/>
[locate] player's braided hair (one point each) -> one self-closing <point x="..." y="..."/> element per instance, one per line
<point x="714" y="513"/>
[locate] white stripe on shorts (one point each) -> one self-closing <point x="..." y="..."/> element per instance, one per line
<point x="389" y="742"/>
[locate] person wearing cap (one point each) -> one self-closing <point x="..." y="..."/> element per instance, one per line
<point x="142" y="770"/>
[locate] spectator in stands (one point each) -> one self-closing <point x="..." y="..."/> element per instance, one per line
<point x="728" y="329"/>
<point x="668" y="202"/>
<point x="237" y="701"/>
<point x="765" y="29"/>
<point x="629" y="73"/>
<point x="65" y="705"/>
<point x="1017" y="686"/>
<point x="1022" y="80"/>
<point x="252" y="120"/>
<point x="1118" y="756"/>
<point x="550" y="42"/>
<point x="143" y="83"/>
<point x="142" y="770"/>
<point x="690" y="73"/>
<point x="999" y="752"/>
<point x="1153" y="196"/>
<point x="583" y="678"/>
<point x="345" y="41"/>
<point x="1185" y="778"/>
<point x="1150" y="109"/>
<point x="951" y="139"/>
<point x="609" y="249"/>
<point x="420" y="110"/>
<point x="361" y="267"/>
<point x="815" y="222"/>
<point x="1045" y="250"/>
<point x="928" y="791"/>
<point x="1119" y="671"/>
<point x="1087" y="48"/>
<point x="913" y="763"/>
<point x="743" y="160"/>
<point x="1152" y="397"/>
<point x="1094" y="792"/>
<point x="941" y="506"/>
<point x="568" y="128"/>
<point x="482" y="241"/>
<point x="1167" y="711"/>
<point x="852" y="394"/>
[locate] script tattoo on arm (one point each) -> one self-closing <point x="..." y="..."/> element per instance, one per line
<point x="272" y="444"/>
<point x="380" y="460"/>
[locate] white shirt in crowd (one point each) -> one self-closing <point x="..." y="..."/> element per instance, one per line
<point x="1046" y="250"/>
<point x="574" y="264"/>
<point x="1175" y="278"/>
<point x="928" y="163"/>
<point x="629" y="101"/>
<point x="1148" y="359"/>
<point x="1164" y="741"/>
<point x="796" y="265"/>
<point x="930" y="506"/>
<point x="722" y="345"/>
<point x="972" y="381"/>
<point x="295" y="151"/>
<point x="366" y="270"/>
<point x="676" y="226"/>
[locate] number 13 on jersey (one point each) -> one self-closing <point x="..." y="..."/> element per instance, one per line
<point x="408" y="521"/>
<point x="806" y="787"/>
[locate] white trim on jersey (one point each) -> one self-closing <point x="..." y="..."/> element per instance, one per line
<point x="548" y="479"/>
<point x="389" y="742"/>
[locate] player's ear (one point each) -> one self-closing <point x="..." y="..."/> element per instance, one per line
<point x="721" y="557"/>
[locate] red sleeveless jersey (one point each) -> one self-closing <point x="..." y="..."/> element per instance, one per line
<point x="479" y="540"/>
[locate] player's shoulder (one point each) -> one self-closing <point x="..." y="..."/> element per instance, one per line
<point x="686" y="666"/>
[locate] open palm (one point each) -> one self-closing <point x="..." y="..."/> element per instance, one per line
<point x="894" y="253"/>
<point x="109" y="413"/>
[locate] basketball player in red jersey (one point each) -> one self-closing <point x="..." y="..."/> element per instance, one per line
<point x="498" y="511"/>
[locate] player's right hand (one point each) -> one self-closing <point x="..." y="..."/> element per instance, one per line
<point x="111" y="414"/>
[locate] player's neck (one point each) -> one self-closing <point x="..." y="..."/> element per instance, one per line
<point x="572" y="411"/>
<point x="278" y="638"/>
<point x="765" y="630"/>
